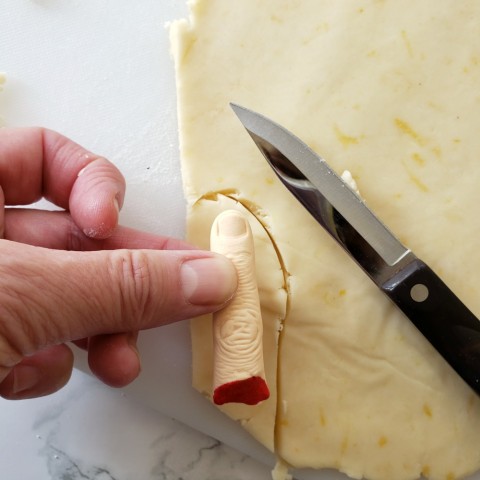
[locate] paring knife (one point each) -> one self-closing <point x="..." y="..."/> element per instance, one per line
<point x="424" y="298"/>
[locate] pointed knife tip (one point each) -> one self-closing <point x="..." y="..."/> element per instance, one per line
<point x="236" y="107"/>
<point x="244" y="114"/>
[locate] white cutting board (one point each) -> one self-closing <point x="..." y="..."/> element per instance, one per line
<point x="99" y="71"/>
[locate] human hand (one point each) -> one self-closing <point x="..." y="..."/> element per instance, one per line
<point x="74" y="275"/>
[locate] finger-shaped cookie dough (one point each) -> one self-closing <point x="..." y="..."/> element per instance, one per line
<point x="239" y="374"/>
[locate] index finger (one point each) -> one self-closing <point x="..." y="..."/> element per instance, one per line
<point x="36" y="163"/>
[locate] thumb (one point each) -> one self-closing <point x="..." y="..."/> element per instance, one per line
<point x="49" y="297"/>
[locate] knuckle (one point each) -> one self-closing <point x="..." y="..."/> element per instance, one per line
<point x="99" y="170"/>
<point x="25" y="321"/>
<point x="16" y="337"/>
<point x="9" y="354"/>
<point x="135" y="277"/>
<point x="74" y="238"/>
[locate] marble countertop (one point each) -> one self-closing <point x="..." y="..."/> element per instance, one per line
<point x="88" y="431"/>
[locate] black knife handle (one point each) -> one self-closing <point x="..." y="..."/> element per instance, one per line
<point x="440" y="315"/>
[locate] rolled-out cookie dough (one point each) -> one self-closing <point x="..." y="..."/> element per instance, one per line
<point x="389" y="91"/>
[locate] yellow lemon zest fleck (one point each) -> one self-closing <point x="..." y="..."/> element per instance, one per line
<point x="345" y="139"/>
<point x="427" y="410"/>
<point x="406" y="128"/>
<point x="408" y="45"/>
<point x="418" y="159"/>
<point x="382" y="441"/>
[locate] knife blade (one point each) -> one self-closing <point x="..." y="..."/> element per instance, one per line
<point x="445" y="321"/>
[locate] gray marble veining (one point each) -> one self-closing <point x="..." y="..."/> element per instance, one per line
<point x="90" y="432"/>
